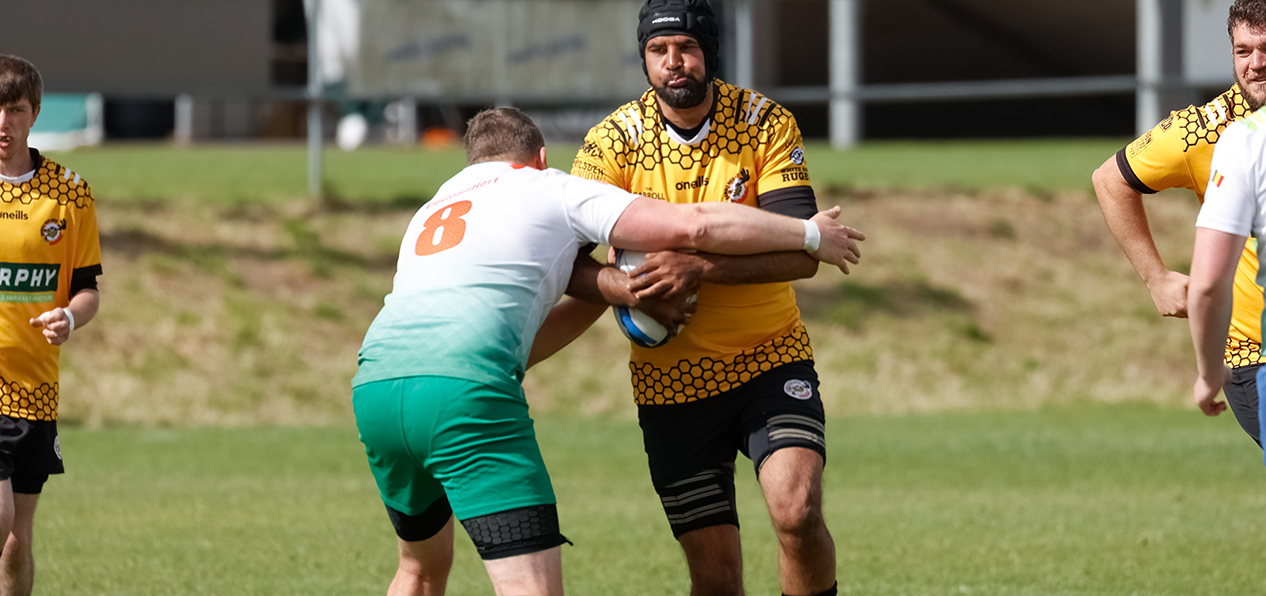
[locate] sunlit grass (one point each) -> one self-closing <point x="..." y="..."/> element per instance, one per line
<point x="1085" y="501"/>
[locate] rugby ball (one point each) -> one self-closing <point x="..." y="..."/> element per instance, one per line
<point x="636" y="325"/>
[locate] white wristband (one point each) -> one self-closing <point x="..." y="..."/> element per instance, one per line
<point x="812" y="236"/>
<point x="70" y="317"/>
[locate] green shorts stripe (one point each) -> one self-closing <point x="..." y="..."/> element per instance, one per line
<point x="430" y="436"/>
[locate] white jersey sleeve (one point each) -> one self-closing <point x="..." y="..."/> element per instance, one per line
<point x="592" y="207"/>
<point x="1236" y="197"/>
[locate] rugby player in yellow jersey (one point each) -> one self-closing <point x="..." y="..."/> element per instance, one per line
<point x="1176" y="154"/>
<point x="50" y="257"/>
<point x="739" y="376"/>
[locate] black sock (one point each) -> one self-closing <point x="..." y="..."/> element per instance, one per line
<point x="831" y="591"/>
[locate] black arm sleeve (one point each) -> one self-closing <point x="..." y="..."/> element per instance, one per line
<point x="796" y="201"/>
<point x="84" y="278"/>
<point x="1131" y="178"/>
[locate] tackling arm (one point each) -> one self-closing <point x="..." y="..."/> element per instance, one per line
<point x="1122" y="208"/>
<point x="565" y="322"/>
<point x="603" y="285"/>
<point x="651" y="225"/>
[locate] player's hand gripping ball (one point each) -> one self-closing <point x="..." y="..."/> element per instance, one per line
<point x="636" y="325"/>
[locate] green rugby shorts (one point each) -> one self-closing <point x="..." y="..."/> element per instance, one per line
<point x="431" y="436"/>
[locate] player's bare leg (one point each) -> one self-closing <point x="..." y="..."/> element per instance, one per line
<point x="17" y="563"/>
<point x="792" y="481"/>
<point x="6" y="507"/>
<point x="534" y="574"/>
<point x="424" y="565"/>
<point x="715" y="557"/>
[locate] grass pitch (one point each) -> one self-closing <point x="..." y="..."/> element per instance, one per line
<point x="966" y="365"/>
<point x="1091" y="500"/>
<point x="230" y="299"/>
<point x="234" y="175"/>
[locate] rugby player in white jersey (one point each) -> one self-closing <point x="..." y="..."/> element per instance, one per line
<point x="438" y="397"/>
<point x="1234" y="207"/>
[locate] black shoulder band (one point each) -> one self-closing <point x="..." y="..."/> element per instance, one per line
<point x="84" y="278"/>
<point x="1127" y="172"/>
<point x="795" y="201"/>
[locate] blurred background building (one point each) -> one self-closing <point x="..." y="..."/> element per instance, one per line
<point x="850" y="70"/>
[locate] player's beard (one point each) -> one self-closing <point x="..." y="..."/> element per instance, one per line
<point x="685" y="97"/>
<point x="1254" y="102"/>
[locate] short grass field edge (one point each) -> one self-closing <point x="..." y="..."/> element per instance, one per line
<point x="1091" y="499"/>
<point x="234" y="175"/>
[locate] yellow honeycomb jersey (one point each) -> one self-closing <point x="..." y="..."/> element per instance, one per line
<point x="749" y="146"/>
<point x="1176" y="154"/>
<point x="48" y="229"/>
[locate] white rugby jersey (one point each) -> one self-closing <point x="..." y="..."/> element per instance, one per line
<point x="480" y="266"/>
<point x="1235" y="200"/>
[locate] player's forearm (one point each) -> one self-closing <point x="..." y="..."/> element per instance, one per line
<point x="596" y="283"/>
<point x="1209" y="317"/>
<point x="757" y="269"/>
<point x="1209" y="292"/>
<point x="83" y="306"/>
<point x="565" y="322"/>
<point x="1123" y="211"/>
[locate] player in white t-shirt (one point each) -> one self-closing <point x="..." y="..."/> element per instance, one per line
<point x="1234" y="207"/>
<point x="438" y="397"/>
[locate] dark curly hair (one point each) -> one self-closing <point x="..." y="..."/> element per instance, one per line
<point x="1248" y="12"/>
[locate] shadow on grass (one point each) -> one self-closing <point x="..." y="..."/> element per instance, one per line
<point x="335" y="203"/>
<point x="851" y="304"/>
<point x="133" y="244"/>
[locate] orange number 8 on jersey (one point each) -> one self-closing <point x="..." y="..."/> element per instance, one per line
<point x="443" y="230"/>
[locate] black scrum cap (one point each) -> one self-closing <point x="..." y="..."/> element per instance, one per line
<point x="680" y="17"/>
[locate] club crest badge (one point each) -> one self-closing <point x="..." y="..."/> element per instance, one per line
<point x="799" y="389"/>
<point x="53" y="230"/>
<point x="797" y="156"/>
<point x="736" y="188"/>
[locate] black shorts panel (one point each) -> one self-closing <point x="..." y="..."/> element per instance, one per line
<point x="683" y="440"/>
<point x="1241" y="395"/>
<point x="415" y="528"/>
<point x="29" y="452"/>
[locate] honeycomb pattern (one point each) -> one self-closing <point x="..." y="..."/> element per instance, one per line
<point x="1243" y="352"/>
<point x="50" y="182"/>
<point x="17" y="401"/>
<point x="1200" y="124"/>
<point x="730" y="133"/>
<point x="694" y="380"/>
<point x="513" y="529"/>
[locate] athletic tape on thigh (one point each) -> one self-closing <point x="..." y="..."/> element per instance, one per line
<point x="519" y="531"/>
<point x="782" y="431"/>
<point x="703" y="500"/>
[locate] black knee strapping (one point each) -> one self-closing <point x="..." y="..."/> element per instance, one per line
<point x="515" y="532"/>
<point x="413" y="528"/>
<point x="782" y="431"/>
<point x="701" y="501"/>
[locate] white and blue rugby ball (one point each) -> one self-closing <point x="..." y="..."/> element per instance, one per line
<point x="636" y="325"/>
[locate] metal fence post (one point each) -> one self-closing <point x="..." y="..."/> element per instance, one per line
<point x="845" y="72"/>
<point x="315" y="133"/>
